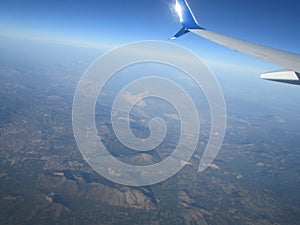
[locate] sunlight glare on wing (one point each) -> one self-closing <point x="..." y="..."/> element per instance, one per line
<point x="179" y="11"/>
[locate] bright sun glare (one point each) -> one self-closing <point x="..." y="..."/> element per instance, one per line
<point x="179" y="11"/>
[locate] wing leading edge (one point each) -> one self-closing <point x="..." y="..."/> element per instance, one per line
<point x="289" y="61"/>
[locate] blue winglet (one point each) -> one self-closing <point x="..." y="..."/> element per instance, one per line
<point x="181" y="32"/>
<point x="186" y="17"/>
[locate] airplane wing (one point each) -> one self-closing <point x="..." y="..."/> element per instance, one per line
<point x="289" y="61"/>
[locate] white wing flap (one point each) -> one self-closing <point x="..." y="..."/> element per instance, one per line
<point x="282" y="76"/>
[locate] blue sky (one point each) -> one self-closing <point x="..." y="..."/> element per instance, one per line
<point x="109" y="23"/>
<point x="271" y="22"/>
